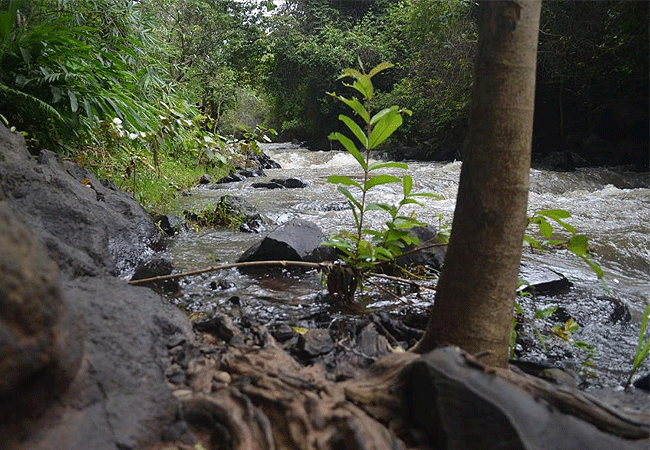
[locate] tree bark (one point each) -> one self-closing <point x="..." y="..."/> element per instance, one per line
<point x="475" y="296"/>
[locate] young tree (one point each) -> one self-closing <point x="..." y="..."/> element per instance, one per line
<point x="475" y="295"/>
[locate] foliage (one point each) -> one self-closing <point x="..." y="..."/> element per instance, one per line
<point x="642" y="348"/>
<point x="134" y="160"/>
<point x="358" y="251"/>
<point x="219" y="215"/>
<point x="64" y="70"/>
<point x="578" y="244"/>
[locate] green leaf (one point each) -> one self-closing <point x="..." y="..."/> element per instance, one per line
<point x="355" y="105"/>
<point x="410" y="201"/>
<point x="407" y="183"/>
<point x="532" y="242"/>
<point x="380" y="179"/>
<point x="545" y="313"/>
<point x="545" y="228"/>
<point x="350" y="147"/>
<point x="341" y="179"/>
<point x="350" y="197"/>
<point x="74" y="105"/>
<point x="356" y="129"/>
<point x="380" y="207"/>
<point x="377" y="117"/>
<point x="554" y="213"/>
<point x="427" y="194"/>
<point x="394" y="165"/>
<point x="380" y="67"/>
<point x="385" y="128"/>
<point x="578" y="245"/>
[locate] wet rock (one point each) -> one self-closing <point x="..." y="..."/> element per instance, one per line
<point x="542" y="279"/>
<point x="314" y="343"/>
<point x="155" y="267"/>
<point x="205" y="179"/>
<point x="88" y="227"/>
<point x="290" y="183"/>
<point x="232" y="178"/>
<point x="643" y="382"/>
<point x="371" y="344"/>
<point x="400" y="331"/>
<point x="267" y="185"/>
<point x="170" y="225"/>
<point x="120" y="397"/>
<point x="263" y="161"/>
<point x="220" y="326"/>
<point x="40" y="346"/>
<point x="455" y="404"/>
<point x="293" y="241"/>
<point x="251" y="220"/>
<point x="432" y="256"/>
<point x="620" y="312"/>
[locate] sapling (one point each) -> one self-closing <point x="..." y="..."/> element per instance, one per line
<point x="365" y="247"/>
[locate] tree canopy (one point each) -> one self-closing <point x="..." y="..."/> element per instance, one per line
<point x="68" y="66"/>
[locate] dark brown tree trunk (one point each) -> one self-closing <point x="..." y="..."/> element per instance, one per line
<point x="474" y="300"/>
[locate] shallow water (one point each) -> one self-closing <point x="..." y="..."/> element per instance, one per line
<point x="610" y="206"/>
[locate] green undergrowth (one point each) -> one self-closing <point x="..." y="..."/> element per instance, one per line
<point x="155" y="190"/>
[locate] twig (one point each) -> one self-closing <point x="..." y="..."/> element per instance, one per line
<point x="310" y="265"/>
<point x="381" y="288"/>
<point x="403" y="280"/>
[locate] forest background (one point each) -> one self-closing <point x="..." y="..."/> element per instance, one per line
<point x="153" y="93"/>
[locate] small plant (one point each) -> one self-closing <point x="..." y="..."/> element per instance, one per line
<point x="221" y="215"/>
<point x="364" y="247"/>
<point x="642" y="348"/>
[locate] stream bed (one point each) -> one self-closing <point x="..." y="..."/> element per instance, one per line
<point x="611" y="206"/>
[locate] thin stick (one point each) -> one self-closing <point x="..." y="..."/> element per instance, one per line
<point x="310" y="265"/>
<point x="402" y="280"/>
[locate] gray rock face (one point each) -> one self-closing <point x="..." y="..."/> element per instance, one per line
<point x="39" y="349"/>
<point x="89" y="227"/>
<point x="83" y="360"/>
<point x="458" y="405"/>
<point x="291" y="241"/>
<point x="119" y="397"/>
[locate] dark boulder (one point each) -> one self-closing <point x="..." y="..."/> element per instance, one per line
<point x="452" y="402"/>
<point x="280" y="183"/>
<point x="267" y="185"/>
<point x="290" y="183"/>
<point x="314" y="343"/>
<point x="156" y="267"/>
<point x="262" y="161"/>
<point x="120" y="397"/>
<point x="542" y="280"/>
<point x="169" y="225"/>
<point x="89" y="227"/>
<point x="205" y="179"/>
<point x="40" y="349"/>
<point x="432" y="253"/>
<point x="293" y="241"/>
<point x="251" y="221"/>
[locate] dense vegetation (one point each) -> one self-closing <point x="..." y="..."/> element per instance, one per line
<point x="143" y="90"/>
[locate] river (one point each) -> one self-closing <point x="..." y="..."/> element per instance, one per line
<point x="611" y="206"/>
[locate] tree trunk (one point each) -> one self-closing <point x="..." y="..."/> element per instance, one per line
<point x="475" y="295"/>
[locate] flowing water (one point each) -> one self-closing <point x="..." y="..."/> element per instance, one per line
<point x="611" y="207"/>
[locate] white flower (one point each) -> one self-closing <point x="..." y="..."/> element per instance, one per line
<point x="117" y="121"/>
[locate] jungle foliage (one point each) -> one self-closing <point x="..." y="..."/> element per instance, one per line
<point x="182" y="74"/>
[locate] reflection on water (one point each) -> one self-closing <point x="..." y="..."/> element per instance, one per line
<point x="611" y="207"/>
